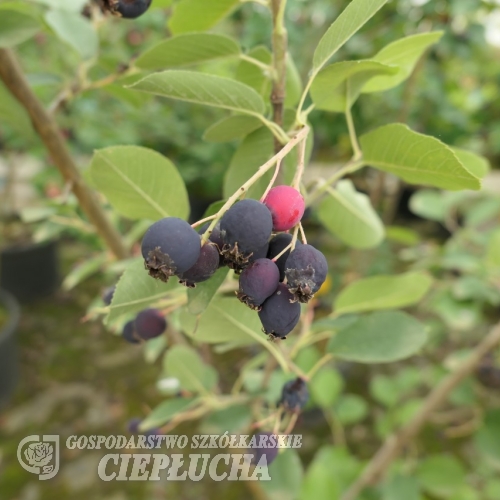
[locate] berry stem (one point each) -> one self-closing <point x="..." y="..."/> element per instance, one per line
<point x="272" y="181"/>
<point x="202" y="221"/>
<point x="301" y="164"/>
<point x="250" y="182"/>
<point x="256" y="62"/>
<point x="291" y="423"/>
<point x="350" y="125"/>
<point x="302" y="233"/>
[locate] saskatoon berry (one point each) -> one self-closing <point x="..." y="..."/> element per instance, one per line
<point x="259" y="254"/>
<point x="128" y="9"/>
<point x="258" y="282"/>
<point x="305" y="269"/>
<point x="294" y="395"/>
<point x="149" y="324"/>
<point x="170" y="246"/>
<point x="286" y="205"/>
<point x="107" y="296"/>
<point x="215" y="238"/>
<point x="279" y="315"/>
<point x="267" y="444"/>
<point x="246" y="228"/>
<point x="276" y="246"/>
<point x="204" y="268"/>
<point x="129" y="333"/>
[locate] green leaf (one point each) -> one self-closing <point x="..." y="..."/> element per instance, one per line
<point x="416" y="158"/>
<point x="403" y="53"/>
<point x="196" y="15"/>
<point x="493" y="249"/>
<point x="253" y="76"/>
<point x="14" y="115"/>
<point x="200" y="297"/>
<point x="75" y="30"/>
<point x="350" y="216"/>
<point x="429" y="204"/>
<point x="329" y="90"/>
<point x="294" y="85"/>
<point x="225" y="320"/>
<point x="72" y="5"/>
<point x="487" y="439"/>
<point x="184" y="364"/>
<point x="139" y="182"/>
<point x="286" y="476"/>
<point x="330" y="473"/>
<point x="476" y="164"/>
<point x="441" y="475"/>
<point x="232" y="128"/>
<point x="201" y="88"/>
<point x="233" y="420"/>
<point x="165" y="411"/>
<point x="399" y="487"/>
<point x="184" y="50"/>
<point x="351" y="409"/>
<point x="83" y="271"/>
<point x="379" y="337"/>
<point x="16" y="27"/>
<point x="355" y="15"/>
<point x="154" y="348"/>
<point x="136" y="290"/>
<point x="326" y="386"/>
<point x="383" y="292"/>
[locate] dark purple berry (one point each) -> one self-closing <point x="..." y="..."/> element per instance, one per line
<point x="305" y="270"/>
<point x="215" y="236"/>
<point x="259" y="254"/>
<point x="258" y="282"/>
<point x="246" y="228"/>
<point x="133" y="428"/>
<point x="149" y="324"/>
<point x="266" y="444"/>
<point x="170" y="246"/>
<point x="279" y="315"/>
<point x="204" y="268"/>
<point x="107" y="296"/>
<point x="294" y="395"/>
<point x="129" y="333"/>
<point x="276" y="246"/>
<point x="128" y="9"/>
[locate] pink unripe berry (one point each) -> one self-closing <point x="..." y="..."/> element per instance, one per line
<point x="286" y="205"/>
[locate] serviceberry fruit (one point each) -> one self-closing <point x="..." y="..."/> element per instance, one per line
<point x="170" y="246"/>
<point x="261" y="253"/>
<point x="267" y="444"/>
<point x="279" y="314"/>
<point x="129" y="333"/>
<point x="149" y="324"/>
<point x="107" y="296"/>
<point x="286" y="205"/>
<point x="204" y="268"/>
<point x="216" y="238"/>
<point x="294" y="395"/>
<point x="258" y="282"/>
<point x="276" y="246"/>
<point x="246" y="228"/>
<point x="128" y="9"/>
<point x="305" y="270"/>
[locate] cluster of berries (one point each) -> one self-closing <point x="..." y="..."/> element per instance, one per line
<point x="274" y="277"/>
<point x="128" y="9"/>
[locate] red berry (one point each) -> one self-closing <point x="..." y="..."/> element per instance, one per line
<point x="286" y="205"/>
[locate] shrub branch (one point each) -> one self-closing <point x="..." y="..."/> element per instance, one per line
<point x="48" y="130"/>
<point x="393" y="446"/>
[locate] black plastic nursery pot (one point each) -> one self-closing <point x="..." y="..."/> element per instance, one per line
<point x="8" y="347"/>
<point x="30" y="272"/>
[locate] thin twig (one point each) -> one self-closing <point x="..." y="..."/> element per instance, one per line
<point x="392" y="447"/>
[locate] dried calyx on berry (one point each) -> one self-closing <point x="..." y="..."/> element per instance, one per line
<point x="258" y="282"/>
<point x="245" y="228"/>
<point x="170" y="246"/>
<point x="128" y="9"/>
<point x="306" y="269"/>
<point x="294" y="395"/>
<point x="204" y="268"/>
<point x="279" y="314"/>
